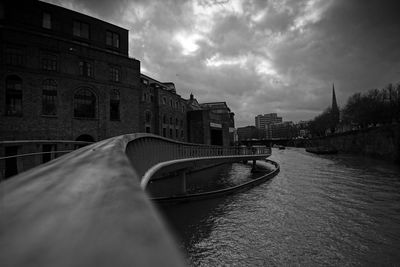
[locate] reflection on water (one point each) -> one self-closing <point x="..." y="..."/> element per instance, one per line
<point x="319" y="210"/>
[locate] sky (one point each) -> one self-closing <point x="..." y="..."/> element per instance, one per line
<point x="260" y="56"/>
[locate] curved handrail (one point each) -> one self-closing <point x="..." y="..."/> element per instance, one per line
<point x="222" y="192"/>
<point x="87" y="208"/>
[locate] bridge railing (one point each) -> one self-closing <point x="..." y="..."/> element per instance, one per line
<point x="158" y="149"/>
<point x="87" y="208"/>
<point x="19" y="156"/>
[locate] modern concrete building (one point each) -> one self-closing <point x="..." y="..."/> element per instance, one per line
<point x="262" y="120"/>
<point x="65" y="75"/>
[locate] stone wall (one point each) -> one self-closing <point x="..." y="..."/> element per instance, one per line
<point x="380" y="142"/>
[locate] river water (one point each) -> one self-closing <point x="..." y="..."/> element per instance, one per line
<point x="335" y="210"/>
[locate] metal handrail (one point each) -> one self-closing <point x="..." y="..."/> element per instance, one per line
<point x="35" y="154"/>
<point x="87" y="208"/>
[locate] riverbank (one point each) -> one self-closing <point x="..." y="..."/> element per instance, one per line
<point x="381" y="142"/>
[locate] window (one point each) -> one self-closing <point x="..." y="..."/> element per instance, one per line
<point x="182" y="135"/>
<point x="176" y="133"/>
<point x="164" y="132"/>
<point x="164" y="119"/>
<point x="170" y="120"/>
<point x="114" y="74"/>
<point x="114" y="105"/>
<point x="148" y="130"/>
<point x="170" y="103"/>
<point x="81" y="29"/>
<point x="151" y="98"/>
<point x="181" y="123"/>
<point x="112" y="39"/>
<point x="49" y="97"/>
<point x="84" y="104"/>
<point x="85" y="69"/>
<point x="176" y="122"/>
<point x="46" y="21"/>
<point x="14" y="56"/>
<point x="144" y="81"/>
<point x="164" y="100"/>
<point x="49" y="62"/>
<point x="170" y="133"/>
<point x="148" y="117"/>
<point x="13" y="96"/>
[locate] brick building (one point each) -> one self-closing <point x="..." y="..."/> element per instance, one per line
<point x="162" y="110"/>
<point x="210" y="123"/>
<point x="64" y="75"/>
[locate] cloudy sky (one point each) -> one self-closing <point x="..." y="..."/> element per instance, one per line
<point x="261" y="56"/>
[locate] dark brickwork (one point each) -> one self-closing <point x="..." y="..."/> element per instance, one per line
<point x="22" y="31"/>
<point x="166" y="108"/>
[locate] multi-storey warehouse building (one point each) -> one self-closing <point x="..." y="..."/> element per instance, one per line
<point x="64" y="75"/>
<point x="162" y="110"/>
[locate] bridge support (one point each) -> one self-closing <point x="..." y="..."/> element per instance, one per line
<point x="255" y="168"/>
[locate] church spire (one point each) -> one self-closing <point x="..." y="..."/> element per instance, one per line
<point x="334" y="103"/>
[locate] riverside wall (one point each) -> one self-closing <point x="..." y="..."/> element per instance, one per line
<point x="381" y="142"/>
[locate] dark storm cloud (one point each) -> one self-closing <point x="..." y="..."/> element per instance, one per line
<point x="261" y="56"/>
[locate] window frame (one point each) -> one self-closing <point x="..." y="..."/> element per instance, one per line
<point x="114" y="38"/>
<point x="49" y="62"/>
<point x="80" y="114"/>
<point x="79" y="31"/>
<point x="13" y="96"/>
<point x="49" y="100"/>
<point x="86" y="68"/>
<point x="116" y="103"/>
<point x="47" y="21"/>
<point x="115" y="74"/>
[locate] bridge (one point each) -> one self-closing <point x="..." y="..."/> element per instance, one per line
<point x="90" y="206"/>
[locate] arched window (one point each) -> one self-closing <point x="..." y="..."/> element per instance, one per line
<point x="164" y="119"/>
<point x="49" y="97"/>
<point x="114" y="105"/>
<point x="84" y="104"/>
<point x="13" y="96"/>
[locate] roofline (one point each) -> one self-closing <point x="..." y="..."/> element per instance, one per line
<point x="81" y="14"/>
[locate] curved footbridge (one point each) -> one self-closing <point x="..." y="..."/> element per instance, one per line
<point x="88" y="207"/>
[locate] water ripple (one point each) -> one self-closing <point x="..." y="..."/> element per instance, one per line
<point x="319" y="210"/>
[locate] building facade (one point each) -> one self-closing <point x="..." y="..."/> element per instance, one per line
<point x="250" y="133"/>
<point x="64" y="75"/>
<point x="162" y="110"/>
<point x="210" y="123"/>
<point x="261" y="121"/>
<point x="282" y="130"/>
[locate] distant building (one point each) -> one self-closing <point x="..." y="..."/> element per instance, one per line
<point x="65" y="75"/>
<point x="250" y="133"/>
<point x="262" y="121"/>
<point x="282" y="130"/>
<point x="302" y="128"/>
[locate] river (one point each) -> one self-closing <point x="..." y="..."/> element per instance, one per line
<point x="335" y="210"/>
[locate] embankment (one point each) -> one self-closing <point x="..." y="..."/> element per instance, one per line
<point x="380" y="142"/>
